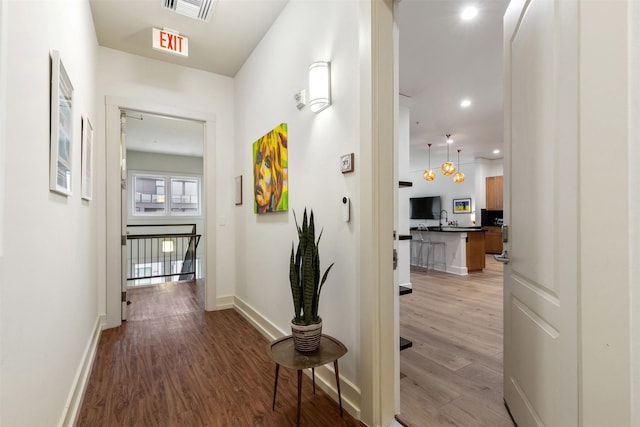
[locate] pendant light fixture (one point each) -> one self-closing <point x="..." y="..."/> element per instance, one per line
<point x="459" y="176"/>
<point x="429" y="174"/>
<point x="448" y="168"/>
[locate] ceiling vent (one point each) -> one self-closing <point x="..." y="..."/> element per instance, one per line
<point x="196" y="9"/>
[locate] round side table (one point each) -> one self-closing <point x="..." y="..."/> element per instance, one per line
<point x="283" y="353"/>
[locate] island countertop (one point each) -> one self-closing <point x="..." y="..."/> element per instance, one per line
<point x="451" y="229"/>
<point x="457" y="250"/>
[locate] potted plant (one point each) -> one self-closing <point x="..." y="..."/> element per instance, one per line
<point x="306" y="285"/>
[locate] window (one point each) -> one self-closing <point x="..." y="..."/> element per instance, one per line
<point x="149" y="196"/>
<point x="184" y="196"/>
<point x="153" y="197"/>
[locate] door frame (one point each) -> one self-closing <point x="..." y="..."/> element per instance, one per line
<point x="114" y="267"/>
<point x="378" y="117"/>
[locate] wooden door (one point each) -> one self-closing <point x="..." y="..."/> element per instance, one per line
<point x="541" y="175"/>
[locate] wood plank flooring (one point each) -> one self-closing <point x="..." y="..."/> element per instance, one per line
<point x="452" y="376"/>
<point x="173" y="364"/>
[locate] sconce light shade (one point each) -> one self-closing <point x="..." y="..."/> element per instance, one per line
<point x="319" y="86"/>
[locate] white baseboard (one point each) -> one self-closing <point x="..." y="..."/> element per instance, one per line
<point x="264" y="326"/>
<point x="79" y="385"/>
<point x="325" y="375"/>
<point x="223" y="303"/>
<point x="461" y="271"/>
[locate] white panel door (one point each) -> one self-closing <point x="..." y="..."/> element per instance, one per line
<point x="541" y="175"/>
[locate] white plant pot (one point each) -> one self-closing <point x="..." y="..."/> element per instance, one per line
<point x="306" y="338"/>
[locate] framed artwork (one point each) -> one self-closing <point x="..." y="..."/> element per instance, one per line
<point x="462" y="206"/>
<point x="61" y="125"/>
<point x="87" y="159"/>
<point x="346" y="163"/>
<point x="270" y="171"/>
<point x="238" y="190"/>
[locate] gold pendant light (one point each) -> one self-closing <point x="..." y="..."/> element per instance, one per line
<point x="459" y="176"/>
<point x="448" y="168"/>
<point x="429" y="174"/>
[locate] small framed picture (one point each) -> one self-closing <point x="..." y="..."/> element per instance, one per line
<point x="87" y="159"/>
<point x="61" y="138"/>
<point x="238" y="190"/>
<point x="346" y="163"/>
<point x="462" y="206"/>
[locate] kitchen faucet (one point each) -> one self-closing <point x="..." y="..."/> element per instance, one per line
<point x="445" y="217"/>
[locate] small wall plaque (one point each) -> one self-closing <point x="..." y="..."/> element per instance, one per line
<point x="346" y="163"/>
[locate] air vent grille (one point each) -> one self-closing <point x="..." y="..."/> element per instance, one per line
<point x="196" y="9"/>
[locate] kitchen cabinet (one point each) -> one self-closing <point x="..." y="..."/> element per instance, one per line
<point x="493" y="239"/>
<point x="494" y="193"/>
<point x="475" y="251"/>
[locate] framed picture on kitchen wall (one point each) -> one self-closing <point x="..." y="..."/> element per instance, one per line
<point x="61" y="125"/>
<point x="462" y="206"/>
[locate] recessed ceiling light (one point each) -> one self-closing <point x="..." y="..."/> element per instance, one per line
<point x="465" y="103"/>
<point x="468" y="13"/>
<point x="496" y="151"/>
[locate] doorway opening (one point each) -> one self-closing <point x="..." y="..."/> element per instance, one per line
<point x="162" y="215"/>
<point x="452" y="373"/>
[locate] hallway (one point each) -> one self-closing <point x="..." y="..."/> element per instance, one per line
<point x="173" y="364"/>
<point x="453" y="373"/>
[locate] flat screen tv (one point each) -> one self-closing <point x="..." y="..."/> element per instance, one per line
<point x="425" y="207"/>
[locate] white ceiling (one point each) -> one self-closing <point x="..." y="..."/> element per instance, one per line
<point x="220" y="46"/>
<point x="442" y="61"/>
<point x="156" y="134"/>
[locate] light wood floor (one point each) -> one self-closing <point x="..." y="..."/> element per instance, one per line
<point x="173" y="364"/>
<point x="452" y="376"/>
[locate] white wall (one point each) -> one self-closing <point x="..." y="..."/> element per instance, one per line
<point x="3" y="109"/>
<point x="158" y="162"/>
<point x="137" y="80"/>
<point x="448" y="190"/>
<point x="634" y="206"/>
<point x="50" y="267"/>
<point x="475" y="171"/>
<point x="3" y="105"/>
<point x="306" y="31"/>
<point x="404" y="246"/>
<point x="403" y="163"/>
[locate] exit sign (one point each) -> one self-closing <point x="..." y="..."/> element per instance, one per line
<point x="169" y="41"/>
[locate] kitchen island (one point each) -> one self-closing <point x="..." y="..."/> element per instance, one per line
<point x="456" y="250"/>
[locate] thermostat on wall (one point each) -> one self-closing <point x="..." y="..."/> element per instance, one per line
<point x="346" y="163"/>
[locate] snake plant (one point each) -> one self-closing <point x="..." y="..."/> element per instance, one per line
<point x="304" y="273"/>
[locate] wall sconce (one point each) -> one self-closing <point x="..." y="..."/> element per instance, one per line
<point x="319" y="86"/>
<point x="167" y="246"/>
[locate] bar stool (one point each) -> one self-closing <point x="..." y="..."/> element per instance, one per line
<point x="431" y="253"/>
<point x="419" y="242"/>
